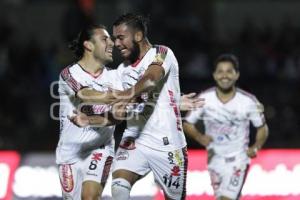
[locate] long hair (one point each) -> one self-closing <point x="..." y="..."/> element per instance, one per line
<point x="84" y="35"/>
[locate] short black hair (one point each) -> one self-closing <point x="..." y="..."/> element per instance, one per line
<point x="85" y="34"/>
<point x="135" y="21"/>
<point x="228" y="58"/>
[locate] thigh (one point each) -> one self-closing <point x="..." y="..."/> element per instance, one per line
<point x="70" y="180"/>
<point x="130" y="159"/>
<point x="96" y="167"/>
<point x="169" y="169"/>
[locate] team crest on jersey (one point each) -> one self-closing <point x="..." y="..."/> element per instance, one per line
<point x="66" y="178"/>
<point x="159" y="59"/>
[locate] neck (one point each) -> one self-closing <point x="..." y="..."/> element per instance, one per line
<point x="144" y="48"/>
<point x="226" y="95"/>
<point x="91" y="65"/>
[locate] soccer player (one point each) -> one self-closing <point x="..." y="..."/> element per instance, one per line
<point x="227" y="114"/>
<point x="84" y="154"/>
<point x="153" y="140"/>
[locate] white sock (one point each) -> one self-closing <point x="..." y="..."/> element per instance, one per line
<point x="120" y="189"/>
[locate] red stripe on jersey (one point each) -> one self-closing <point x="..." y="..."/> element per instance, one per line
<point x="136" y="62"/>
<point x="175" y="109"/>
<point x="68" y="78"/>
<point x="161" y="49"/>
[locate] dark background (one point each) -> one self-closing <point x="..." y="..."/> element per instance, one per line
<point x="264" y="34"/>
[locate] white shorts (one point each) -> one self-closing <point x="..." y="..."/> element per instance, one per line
<point x="228" y="175"/>
<point x="95" y="167"/>
<point x="169" y="168"/>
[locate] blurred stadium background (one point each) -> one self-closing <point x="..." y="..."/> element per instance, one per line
<point x="264" y="34"/>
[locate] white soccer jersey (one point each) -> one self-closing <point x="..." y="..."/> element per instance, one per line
<point x="75" y="142"/>
<point x="228" y="123"/>
<point x="159" y="126"/>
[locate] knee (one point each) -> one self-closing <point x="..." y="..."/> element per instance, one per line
<point x="90" y="195"/>
<point x="120" y="189"/>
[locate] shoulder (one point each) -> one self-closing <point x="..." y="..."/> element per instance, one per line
<point x="164" y="53"/>
<point x="246" y="95"/>
<point x="66" y="72"/>
<point x="161" y="49"/>
<point x="250" y="100"/>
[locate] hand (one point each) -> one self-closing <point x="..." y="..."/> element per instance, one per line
<point x="79" y="119"/>
<point x="119" y="110"/>
<point x="190" y="101"/>
<point x="252" y="152"/>
<point x="205" y="140"/>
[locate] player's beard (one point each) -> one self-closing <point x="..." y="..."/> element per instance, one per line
<point x="135" y="52"/>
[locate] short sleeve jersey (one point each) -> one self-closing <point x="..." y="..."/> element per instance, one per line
<point x="159" y="126"/>
<point x="74" y="141"/>
<point x="228" y="123"/>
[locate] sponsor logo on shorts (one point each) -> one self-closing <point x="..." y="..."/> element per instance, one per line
<point x="171" y="158"/>
<point x="179" y="160"/>
<point x="122" y="155"/>
<point x="175" y="171"/>
<point x="91" y="174"/>
<point x="97" y="156"/>
<point x="66" y="178"/>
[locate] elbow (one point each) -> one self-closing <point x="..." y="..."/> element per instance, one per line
<point x="81" y="94"/>
<point x="150" y="83"/>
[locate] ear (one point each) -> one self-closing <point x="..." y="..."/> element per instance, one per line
<point x="88" y="45"/>
<point x="138" y="36"/>
<point x="214" y="75"/>
<point x="237" y="75"/>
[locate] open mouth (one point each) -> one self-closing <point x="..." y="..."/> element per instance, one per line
<point x="123" y="51"/>
<point x="225" y="80"/>
<point x="109" y="51"/>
